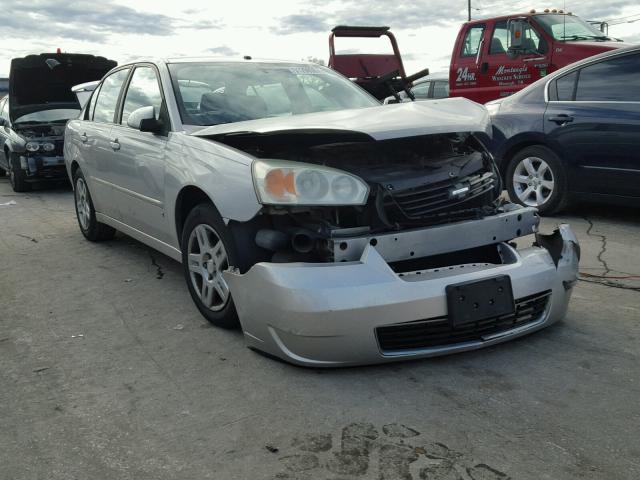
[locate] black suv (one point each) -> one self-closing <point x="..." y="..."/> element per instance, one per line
<point x="574" y="134"/>
<point x="34" y="114"/>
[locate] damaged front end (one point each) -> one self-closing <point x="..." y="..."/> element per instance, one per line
<point x="413" y="183"/>
<point x="41" y="154"/>
<point x="419" y="260"/>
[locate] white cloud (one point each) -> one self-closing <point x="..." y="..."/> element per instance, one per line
<point x="290" y="29"/>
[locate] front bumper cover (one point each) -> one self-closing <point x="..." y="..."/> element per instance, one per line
<point x="326" y="315"/>
<point x="40" y="167"/>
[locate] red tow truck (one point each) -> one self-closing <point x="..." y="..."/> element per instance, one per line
<point x="495" y="57"/>
<point x="492" y="57"/>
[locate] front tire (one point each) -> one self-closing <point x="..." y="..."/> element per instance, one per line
<point x="17" y="176"/>
<point x="86" y="213"/>
<point x="535" y="177"/>
<point x="3" y="172"/>
<point x="207" y="250"/>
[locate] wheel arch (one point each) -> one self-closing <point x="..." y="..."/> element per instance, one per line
<point x="188" y="197"/>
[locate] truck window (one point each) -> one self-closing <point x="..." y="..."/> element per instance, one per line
<point x="612" y="80"/>
<point x="531" y="40"/>
<point x="499" y="39"/>
<point x="472" y="39"/>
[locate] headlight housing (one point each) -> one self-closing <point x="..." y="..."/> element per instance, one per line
<point x="282" y="182"/>
<point x="48" y="147"/>
<point x="32" y="146"/>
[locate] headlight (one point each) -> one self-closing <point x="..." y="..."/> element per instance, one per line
<point x="33" y="146"/>
<point x="282" y="182"/>
<point x="48" y="147"/>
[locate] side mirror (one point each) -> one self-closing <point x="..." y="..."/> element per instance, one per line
<point x="144" y="119"/>
<point x="516" y="27"/>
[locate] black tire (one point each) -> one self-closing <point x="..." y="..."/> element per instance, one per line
<point x="93" y="230"/>
<point x="3" y="172"/>
<point x="17" y="175"/>
<point x="554" y="200"/>
<point x="207" y="215"/>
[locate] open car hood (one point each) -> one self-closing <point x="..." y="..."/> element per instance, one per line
<point x="385" y="122"/>
<point x="44" y="81"/>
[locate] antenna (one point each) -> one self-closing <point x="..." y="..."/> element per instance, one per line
<point x="564" y="19"/>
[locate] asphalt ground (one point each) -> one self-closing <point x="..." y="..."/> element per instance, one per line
<point x="107" y="371"/>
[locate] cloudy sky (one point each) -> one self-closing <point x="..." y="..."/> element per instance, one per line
<point x="289" y="29"/>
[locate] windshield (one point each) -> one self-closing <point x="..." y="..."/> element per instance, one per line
<point x="568" y="27"/>
<point x="215" y="93"/>
<point x="46" y="116"/>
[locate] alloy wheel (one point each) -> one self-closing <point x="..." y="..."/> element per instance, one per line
<point x="82" y="204"/>
<point x="207" y="259"/>
<point x="533" y="181"/>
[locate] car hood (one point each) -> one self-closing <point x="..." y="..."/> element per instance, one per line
<point x="44" y="81"/>
<point x="380" y="123"/>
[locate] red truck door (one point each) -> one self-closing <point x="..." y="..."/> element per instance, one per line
<point x="509" y="72"/>
<point x="483" y="69"/>
<point x="464" y="73"/>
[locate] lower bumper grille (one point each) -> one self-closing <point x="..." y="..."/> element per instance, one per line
<point x="438" y="332"/>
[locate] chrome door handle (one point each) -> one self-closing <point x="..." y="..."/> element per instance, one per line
<point x="561" y="119"/>
<point x="84" y="138"/>
<point x="114" y="144"/>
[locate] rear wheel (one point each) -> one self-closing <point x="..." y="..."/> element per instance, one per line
<point x="17" y="176"/>
<point x="86" y="214"/>
<point x="536" y="178"/>
<point x="207" y="250"/>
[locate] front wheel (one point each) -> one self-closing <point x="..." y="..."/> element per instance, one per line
<point x="536" y="178"/>
<point x="207" y="251"/>
<point x="17" y="176"/>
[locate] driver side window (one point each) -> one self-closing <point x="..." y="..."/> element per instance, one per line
<point x="144" y="91"/>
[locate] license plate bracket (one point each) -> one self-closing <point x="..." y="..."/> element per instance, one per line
<point x="476" y="300"/>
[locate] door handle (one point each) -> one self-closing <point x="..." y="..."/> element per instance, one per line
<point x="84" y="138"/>
<point x="561" y="119"/>
<point x="484" y="68"/>
<point x="114" y="144"/>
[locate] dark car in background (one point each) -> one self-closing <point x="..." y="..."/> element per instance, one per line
<point x="431" y="88"/>
<point x="4" y="86"/>
<point x="34" y="114"/>
<point x="574" y="134"/>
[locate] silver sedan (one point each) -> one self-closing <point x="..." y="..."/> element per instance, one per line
<point x="333" y="230"/>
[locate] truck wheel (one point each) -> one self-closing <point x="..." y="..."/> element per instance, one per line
<point x="536" y="178"/>
<point x="86" y="214"/>
<point x="17" y="175"/>
<point x="207" y="250"/>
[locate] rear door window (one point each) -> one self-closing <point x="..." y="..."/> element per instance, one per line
<point x="499" y="39"/>
<point x="614" y="80"/>
<point x="565" y="87"/>
<point x="107" y="100"/>
<point x="440" y="89"/>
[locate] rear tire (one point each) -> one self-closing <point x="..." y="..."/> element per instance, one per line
<point x="86" y="214"/>
<point x="207" y="250"/>
<point x="17" y="175"/>
<point x="535" y="177"/>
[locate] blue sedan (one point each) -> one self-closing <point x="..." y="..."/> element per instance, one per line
<point x="573" y="135"/>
